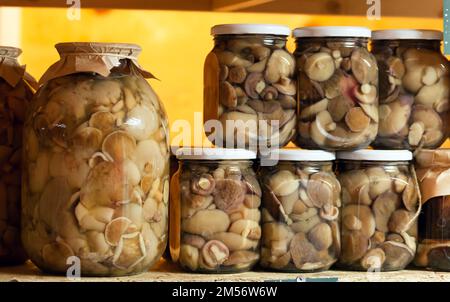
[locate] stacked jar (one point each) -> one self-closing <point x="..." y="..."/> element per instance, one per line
<point x="95" y="172"/>
<point x="300" y="211"/>
<point x="215" y="219"/>
<point x="337" y="88"/>
<point x="381" y="203"/>
<point x="414" y="89"/>
<point x="249" y="87"/>
<point x="16" y="91"/>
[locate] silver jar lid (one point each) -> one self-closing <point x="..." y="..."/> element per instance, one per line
<point x="242" y="29"/>
<point x="199" y="153"/>
<point x="332" y="31"/>
<point x="299" y="155"/>
<point x="407" y="34"/>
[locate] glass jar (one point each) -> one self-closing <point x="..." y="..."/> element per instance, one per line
<point x="337" y="88"/>
<point x="300" y="212"/>
<point x="381" y="203"/>
<point x="249" y="87"/>
<point x="217" y="226"/>
<point x="16" y="91"/>
<point x="433" y="167"/>
<point x="414" y="89"/>
<point x="96" y="164"/>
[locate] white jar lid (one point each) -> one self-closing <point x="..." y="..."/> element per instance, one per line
<point x="332" y="31"/>
<point x="299" y="155"/>
<point x="242" y="29"/>
<point x="199" y="153"/>
<point x="376" y="155"/>
<point x="407" y="34"/>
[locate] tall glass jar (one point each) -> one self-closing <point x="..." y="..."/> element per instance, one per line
<point x="249" y="87"/>
<point x="381" y="203"/>
<point x="96" y="164"/>
<point x="16" y="91"/>
<point x="300" y="212"/>
<point x="433" y="170"/>
<point x="414" y="89"/>
<point x="337" y="88"/>
<point x="217" y="226"/>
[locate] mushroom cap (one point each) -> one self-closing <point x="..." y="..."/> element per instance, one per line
<point x="354" y="247"/>
<point x="302" y="251"/>
<point x="283" y="183"/>
<point x="364" y="66"/>
<point x="373" y="259"/>
<point x="400" y="221"/>
<point x="281" y="64"/>
<point x="394" y="116"/>
<point x="321" y="236"/>
<point x="214" y="253"/>
<point x="383" y="207"/>
<point x="319" y="66"/>
<point x="322" y="189"/>
<point x="398" y="255"/>
<point x="364" y="214"/>
<point x="229" y="194"/>
<point x="119" y="145"/>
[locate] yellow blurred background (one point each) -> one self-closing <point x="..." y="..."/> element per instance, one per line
<point x="174" y="43"/>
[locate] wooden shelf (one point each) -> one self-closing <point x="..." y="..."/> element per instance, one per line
<point x="166" y="271"/>
<point x="408" y="8"/>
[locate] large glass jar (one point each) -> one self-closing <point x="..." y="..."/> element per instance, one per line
<point x="16" y="91"/>
<point x="250" y="87"/>
<point x="433" y="170"/>
<point x="217" y="226"/>
<point x="300" y="212"/>
<point x="381" y="203"/>
<point x="337" y="88"/>
<point x="96" y="164"/>
<point x="414" y="89"/>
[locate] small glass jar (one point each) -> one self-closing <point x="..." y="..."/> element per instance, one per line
<point x="381" y="203"/>
<point x="96" y="165"/>
<point x="337" y="88"/>
<point x="16" y="92"/>
<point x="249" y="87"/>
<point x="433" y="170"/>
<point x="414" y="89"/>
<point x="300" y="212"/>
<point x="217" y="226"/>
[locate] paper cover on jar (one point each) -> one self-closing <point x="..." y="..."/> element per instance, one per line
<point x="433" y="173"/>
<point x="10" y="69"/>
<point x="99" y="58"/>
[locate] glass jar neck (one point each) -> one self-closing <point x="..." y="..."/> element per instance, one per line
<point x="241" y="163"/>
<point x="373" y="163"/>
<point x="424" y="44"/>
<point x="305" y="43"/>
<point x="264" y="39"/>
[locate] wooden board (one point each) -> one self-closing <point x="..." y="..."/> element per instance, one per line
<point x="409" y="8"/>
<point x="166" y="271"/>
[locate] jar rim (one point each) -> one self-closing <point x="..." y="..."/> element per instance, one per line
<point x="299" y="155"/>
<point x="332" y="31"/>
<point x="242" y="29"/>
<point x="375" y="155"/>
<point x="199" y="153"/>
<point x="407" y="34"/>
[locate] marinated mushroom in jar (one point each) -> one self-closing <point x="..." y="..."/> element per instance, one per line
<point x="96" y="166"/>
<point x="300" y="214"/>
<point x="250" y="88"/>
<point x="14" y="101"/>
<point x="337" y="89"/>
<point x="220" y="217"/>
<point x="433" y="250"/>
<point x="414" y="90"/>
<point x="379" y="215"/>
